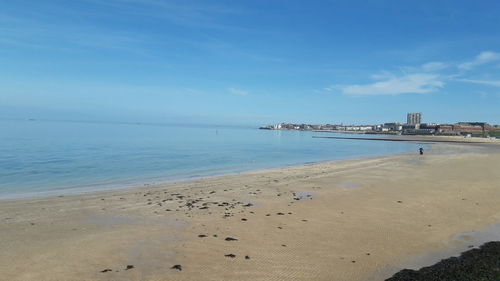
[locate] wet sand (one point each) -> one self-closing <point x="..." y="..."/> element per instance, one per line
<point x="362" y="219"/>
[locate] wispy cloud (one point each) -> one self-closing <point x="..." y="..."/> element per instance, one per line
<point x="434" y="66"/>
<point x="483" y="82"/>
<point x="483" y="58"/>
<point x="50" y="26"/>
<point x="239" y="92"/>
<point x="224" y="48"/>
<point x="183" y="13"/>
<point x="37" y="32"/>
<point x="425" y="78"/>
<point x="418" y="83"/>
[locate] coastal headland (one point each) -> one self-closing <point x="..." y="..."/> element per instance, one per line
<point x="360" y="219"/>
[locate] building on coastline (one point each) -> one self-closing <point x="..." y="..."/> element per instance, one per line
<point x="355" y="128"/>
<point x="472" y="127"/>
<point x="445" y="129"/>
<point x="393" y="126"/>
<point x="380" y="129"/>
<point x="429" y="126"/>
<point x="414" y="118"/>
<point x="465" y="128"/>
<point x="412" y="127"/>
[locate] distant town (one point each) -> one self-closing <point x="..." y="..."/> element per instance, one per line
<point x="413" y="126"/>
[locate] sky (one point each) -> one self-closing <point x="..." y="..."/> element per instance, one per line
<point x="250" y="62"/>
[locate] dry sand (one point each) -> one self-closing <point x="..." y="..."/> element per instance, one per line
<point x="345" y="220"/>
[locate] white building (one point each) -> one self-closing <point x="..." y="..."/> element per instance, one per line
<point x="414" y="118"/>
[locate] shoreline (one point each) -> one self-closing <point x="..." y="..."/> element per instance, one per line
<point x="165" y="184"/>
<point x="348" y="219"/>
<point x="158" y="182"/>
<point x="161" y="181"/>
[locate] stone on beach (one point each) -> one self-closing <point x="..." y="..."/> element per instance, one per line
<point x="177" y="266"/>
<point x="481" y="264"/>
<point x="106" y="270"/>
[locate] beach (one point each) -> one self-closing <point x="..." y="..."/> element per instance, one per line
<point x="358" y="219"/>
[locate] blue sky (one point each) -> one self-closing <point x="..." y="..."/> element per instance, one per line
<point x="250" y="62"/>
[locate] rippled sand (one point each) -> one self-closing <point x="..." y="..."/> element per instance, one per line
<point x="344" y="220"/>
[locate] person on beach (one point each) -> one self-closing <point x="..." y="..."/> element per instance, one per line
<point x="421" y="151"/>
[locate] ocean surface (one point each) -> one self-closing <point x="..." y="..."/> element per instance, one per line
<point x="39" y="158"/>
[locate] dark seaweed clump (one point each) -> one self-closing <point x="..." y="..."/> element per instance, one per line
<point x="481" y="264"/>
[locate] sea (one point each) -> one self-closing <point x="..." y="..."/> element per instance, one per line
<point x="46" y="158"/>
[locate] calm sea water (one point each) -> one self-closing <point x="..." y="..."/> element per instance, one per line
<point x="45" y="158"/>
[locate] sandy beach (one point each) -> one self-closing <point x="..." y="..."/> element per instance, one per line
<point x="361" y="219"/>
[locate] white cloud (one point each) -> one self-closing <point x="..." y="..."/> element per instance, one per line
<point x="237" y="91"/>
<point x="385" y="75"/>
<point x="418" y="79"/>
<point x="482" y="58"/>
<point x="434" y="66"/>
<point x="484" y="82"/>
<point x="417" y="83"/>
